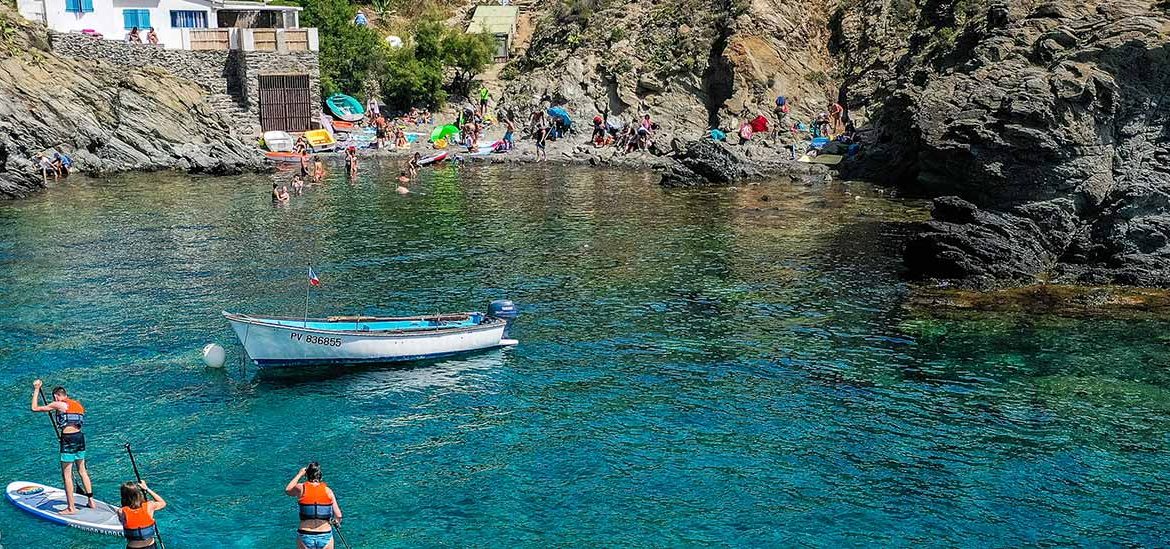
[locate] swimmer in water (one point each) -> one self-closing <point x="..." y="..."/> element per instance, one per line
<point x="402" y="181"/>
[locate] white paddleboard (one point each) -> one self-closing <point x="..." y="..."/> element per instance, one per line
<point x="47" y="502"/>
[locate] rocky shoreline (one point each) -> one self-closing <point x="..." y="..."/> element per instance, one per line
<point x="680" y="163"/>
<point x="107" y="118"/>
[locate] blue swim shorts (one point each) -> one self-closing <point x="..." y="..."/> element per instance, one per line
<point x="315" y="541"/>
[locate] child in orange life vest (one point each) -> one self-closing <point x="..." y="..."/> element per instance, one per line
<point x="137" y="515"/>
<point x="317" y="507"/>
<point x="70" y="418"/>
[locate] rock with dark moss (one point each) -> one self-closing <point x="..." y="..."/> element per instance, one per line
<point x="708" y="163"/>
<point x="1047" y="117"/>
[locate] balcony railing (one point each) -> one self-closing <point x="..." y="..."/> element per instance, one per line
<point x="207" y="39"/>
<point x="272" y="40"/>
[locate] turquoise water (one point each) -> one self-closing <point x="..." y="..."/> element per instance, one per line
<point x="696" y="368"/>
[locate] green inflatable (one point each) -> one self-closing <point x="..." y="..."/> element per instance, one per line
<point x="442" y="132"/>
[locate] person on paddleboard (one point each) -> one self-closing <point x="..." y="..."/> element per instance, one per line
<point x="318" y="508"/>
<point x="70" y="416"/>
<point x="137" y="515"/>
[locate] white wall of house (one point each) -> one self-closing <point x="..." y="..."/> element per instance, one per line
<point x="108" y="16"/>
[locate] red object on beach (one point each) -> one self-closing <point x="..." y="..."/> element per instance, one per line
<point x="343" y="126"/>
<point x="283" y="156"/>
<point x="760" y="124"/>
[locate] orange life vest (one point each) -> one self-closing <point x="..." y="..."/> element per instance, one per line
<point x="137" y="524"/>
<point x="74" y="415"/>
<point x="315" y="503"/>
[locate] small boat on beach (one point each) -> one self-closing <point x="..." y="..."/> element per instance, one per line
<point x="282" y="341"/>
<point x="278" y="141"/>
<point x="345" y="107"/>
<point x="291" y="157"/>
<point x="320" y="140"/>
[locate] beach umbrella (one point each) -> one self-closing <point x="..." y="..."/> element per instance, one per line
<point x="561" y="114"/>
<point x="442" y="132"/>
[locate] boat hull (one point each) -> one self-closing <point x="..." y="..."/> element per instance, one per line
<point x="273" y="345"/>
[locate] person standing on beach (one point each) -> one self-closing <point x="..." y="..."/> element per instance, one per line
<point x="541" y="141"/>
<point x="69" y="415"/>
<point x="509" y="134"/>
<point x="484" y="97"/>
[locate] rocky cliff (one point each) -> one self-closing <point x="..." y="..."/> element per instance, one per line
<point x="1041" y="126"/>
<point x="693" y="64"/>
<point x="107" y="118"/>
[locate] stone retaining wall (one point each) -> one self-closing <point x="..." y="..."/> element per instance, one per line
<point x="231" y="72"/>
<point x="215" y="71"/>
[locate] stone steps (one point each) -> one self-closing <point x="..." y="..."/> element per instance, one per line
<point x="242" y="122"/>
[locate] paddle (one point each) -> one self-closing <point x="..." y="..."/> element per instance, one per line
<point x="337" y="528"/>
<point x="134" y="464"/>
<point x="78" y="485"/>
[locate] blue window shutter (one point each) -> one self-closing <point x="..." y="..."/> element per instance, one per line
<point x="136" y="18"/>
<point x="87" y="6"/>
<point x="72" y="6"/>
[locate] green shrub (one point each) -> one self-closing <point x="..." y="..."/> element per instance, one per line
<point x="576" y="10"/>
<point x="511" y="71"/>
<point x="408" y="81"/>
<point x="350" y="55"/>
<point x="468" y="54"/>
<point x="414" y="76"/>
<point x="817" y="77"/>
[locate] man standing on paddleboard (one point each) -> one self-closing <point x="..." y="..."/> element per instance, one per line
<point x="70" y="415"/>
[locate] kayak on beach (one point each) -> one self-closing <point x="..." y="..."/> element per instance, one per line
<point x="47" y="502"/>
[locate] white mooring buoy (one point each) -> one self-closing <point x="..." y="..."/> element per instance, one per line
<point x="213" y="355"/>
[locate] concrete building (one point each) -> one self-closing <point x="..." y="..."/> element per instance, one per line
<point x="500" y="22"/>
<point x="173" y="20"/>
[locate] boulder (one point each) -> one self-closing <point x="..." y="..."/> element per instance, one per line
<point x="708" y="163"/>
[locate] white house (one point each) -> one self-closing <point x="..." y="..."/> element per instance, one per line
<point x="113" y="19"/>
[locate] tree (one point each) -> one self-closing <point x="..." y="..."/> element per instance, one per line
<point x="408" y="81"/>
<point x="468" y="54"/>
<point x="350" y="55"/>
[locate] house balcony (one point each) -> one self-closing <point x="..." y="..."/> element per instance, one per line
<point x="258" y="40"/>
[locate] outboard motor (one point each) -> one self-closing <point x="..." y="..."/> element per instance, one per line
<point x="505" y="310"/>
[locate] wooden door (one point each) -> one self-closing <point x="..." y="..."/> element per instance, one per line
<point x="285" y="103"/>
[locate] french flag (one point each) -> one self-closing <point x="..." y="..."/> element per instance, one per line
<point x="313" y="280"/>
